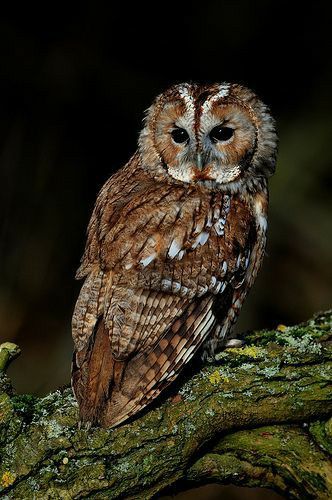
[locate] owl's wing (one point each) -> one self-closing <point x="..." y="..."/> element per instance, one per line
<point x="147" y="302"/>
<point x="110" y="390"/>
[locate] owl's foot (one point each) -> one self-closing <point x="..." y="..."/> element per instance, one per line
<point x="234" y="343"/>
<point x="84" y="426"/>
<point x="228" y="344"/>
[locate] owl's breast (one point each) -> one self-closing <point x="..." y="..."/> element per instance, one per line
<point x="189" y="245"/>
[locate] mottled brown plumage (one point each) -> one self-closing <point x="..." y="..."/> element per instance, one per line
<point x="174" y="244"/>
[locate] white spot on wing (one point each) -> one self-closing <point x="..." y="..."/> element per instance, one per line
<point x="209" y="219"/>
<point x="166" y="284"/>
<point x="174" y="249"/>
<point x="217" y="286"/>
<point x="262" y="222"/>
<point x="226" y="204"/>
<point x="201" y="290"/>
<point x="147" y="260"/>
<point x="176" y="286"/>
<point x="216" y="212"/>
<point x="260" y="216"/>
<point x="219" y="226"/>
<point x="201" y="239"/>
<point x="237" y="304"/>
<point x="198" y="228"/>
<point x="213" y="282"/>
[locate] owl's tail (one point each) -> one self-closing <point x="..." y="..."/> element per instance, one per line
<point x="94" y="373"/>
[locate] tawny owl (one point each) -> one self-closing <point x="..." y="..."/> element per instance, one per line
<point x="174" y="244"/>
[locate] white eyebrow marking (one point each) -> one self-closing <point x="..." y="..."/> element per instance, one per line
<point x="187" y="97"/>
<point x="187" y="120"/>
<point x="222" y="92"/>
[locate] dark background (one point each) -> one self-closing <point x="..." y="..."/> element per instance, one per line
<point x="73" y="87"/>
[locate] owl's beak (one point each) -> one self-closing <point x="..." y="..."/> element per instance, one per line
<point x="201" y="168"/>
<point x="199" y="161"/>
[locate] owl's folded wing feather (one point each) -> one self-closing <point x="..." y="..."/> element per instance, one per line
<point x="148" y="373"/>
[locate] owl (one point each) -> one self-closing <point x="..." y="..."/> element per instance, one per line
<point x="174" y="244"/>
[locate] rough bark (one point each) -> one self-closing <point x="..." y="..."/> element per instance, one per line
<point x="258" y="416"/>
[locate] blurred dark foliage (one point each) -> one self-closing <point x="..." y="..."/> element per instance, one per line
<point x="73" y="88"/>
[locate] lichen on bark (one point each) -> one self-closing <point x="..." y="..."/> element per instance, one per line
<point x="258" y="416"/>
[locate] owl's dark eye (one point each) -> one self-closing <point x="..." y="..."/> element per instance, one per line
<point x="220" y="133"/>
<point x="179" y="135"/>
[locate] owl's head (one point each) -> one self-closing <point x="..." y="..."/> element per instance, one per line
<point x="214" y="135"/>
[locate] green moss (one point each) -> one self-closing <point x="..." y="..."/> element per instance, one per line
<point x="322" y="433"/>
<point x="8" y="352"/>
<point x="219" y="376"/>
<point x="6" y="409"/>
<point x="285" y="450"/>
<point x="249" y="387"/>
<point x="24" y="406"/>
<point x="251" y="352"/>
<point x="319" y="328"/>
<point x="271" y="370"/>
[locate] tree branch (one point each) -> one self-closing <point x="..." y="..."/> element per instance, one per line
<point x="258" y="416"/>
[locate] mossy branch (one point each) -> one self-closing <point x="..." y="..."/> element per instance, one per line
<point x="258" y="416"/>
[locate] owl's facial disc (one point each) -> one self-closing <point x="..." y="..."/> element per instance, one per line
<point x="212" y="146"/>
<point x="209" y="134"/>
